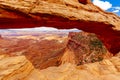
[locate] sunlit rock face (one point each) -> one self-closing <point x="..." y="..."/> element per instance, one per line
<point x="83" y="47"/>
<point x="19" y="68"/>
<point x="45" y="51"/>
<point x="81" y="14"/>
<point x="13" y="68"/>
<point x="107" y="69"/>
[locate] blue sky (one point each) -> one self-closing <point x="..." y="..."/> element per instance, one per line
<point x="109" y="5"/>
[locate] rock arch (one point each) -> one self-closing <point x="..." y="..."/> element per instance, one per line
<point x="64" y="14"/>
<point x="84" y="1"/>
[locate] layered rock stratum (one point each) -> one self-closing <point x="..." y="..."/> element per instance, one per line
<point x="19" y="68"/>
<point x="81" y="14"/>
<point x="83" y="47"/>
<point x="14" y="68"/>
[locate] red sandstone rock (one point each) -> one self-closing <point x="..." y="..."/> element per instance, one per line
<point x="84" y="48"/>
<point x="81" y="14"/>
<point x="19" y="68"/>
<point x="78" y="48"/>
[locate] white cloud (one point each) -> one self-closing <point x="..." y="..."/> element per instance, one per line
<point x="117" y="7"/>
<point x="105" y="5"/>
<point x="116" y="11"/>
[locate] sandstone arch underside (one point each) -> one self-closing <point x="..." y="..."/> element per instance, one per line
<point x="62" y="14"/>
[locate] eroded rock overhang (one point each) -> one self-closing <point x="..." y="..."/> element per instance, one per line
<point x="62" y="14"/>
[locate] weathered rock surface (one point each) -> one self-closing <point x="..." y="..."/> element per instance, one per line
<point x="83" y="47"/>
<point x="81" y="14"/>
<point x="19" y="68"/>
<point x="51" y="11"/>
<point x="41" y="53"/>
<point x="105" y="70"/>
<point x="78" y="48"/>
<point x="14" y="68"/>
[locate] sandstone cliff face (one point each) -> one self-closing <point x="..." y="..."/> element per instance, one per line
<point x="107" y="69"/>
<point x="66" y="9"/>
<point x="19" y="68"/>
<point x="14" y="68"/>
<point x="83" y="47"/>
<point x="78" y="48"/>
<point x="81" y="14"/>
<point x="42" y="54"/>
